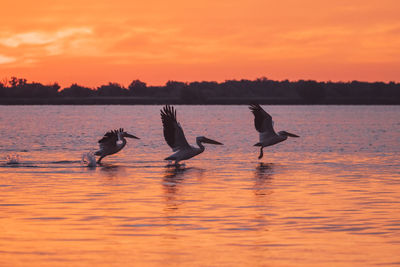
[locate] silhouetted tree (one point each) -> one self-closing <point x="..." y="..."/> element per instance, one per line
<point x="204" y="91"/>
<point x="77" y="91"/>
<point x="310" y="90"/>
<point x="16" y="82"/>
<point x="174" y="88"/>
<point x="192" y="94"/>
<point x="20" y="88"/>
<point x="2" y="90"/>
<point x="175" y="85"/>
<point x="111" y="89"/>
<point x="137" y="87"/>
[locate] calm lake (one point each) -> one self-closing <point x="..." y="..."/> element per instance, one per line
<point x="328" y="198"/>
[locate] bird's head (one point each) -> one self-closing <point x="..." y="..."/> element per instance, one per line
<point x="203" y="139"/>
<point x="122" y="133"/>
<point x="125" y="134"/>
<point x="284" y="133"/>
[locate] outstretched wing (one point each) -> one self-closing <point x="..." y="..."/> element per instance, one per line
<point x="262" y="120"/>
<point x="173" y="132"/>
<point x="109" y="140"/>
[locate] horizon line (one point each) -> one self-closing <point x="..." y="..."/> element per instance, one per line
<point x="7" y="80"/>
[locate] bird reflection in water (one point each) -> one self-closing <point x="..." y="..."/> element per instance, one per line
<point x="111" y="171"/>
<point x="173" y="178"/>
<point x="263" y="177"/>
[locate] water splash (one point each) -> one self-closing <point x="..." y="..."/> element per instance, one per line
<point x="88" y="159"/>
<point x="13" y="159"/>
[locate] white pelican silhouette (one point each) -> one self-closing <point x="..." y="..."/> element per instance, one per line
<point x="112" y="142"/>
<point x="175" y="137"/>
<point x="264" y="125"/>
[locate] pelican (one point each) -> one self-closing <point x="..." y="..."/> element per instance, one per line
<point x="112" y="142"/>
<point x="265" y="126"/>
<point x="175" y="137"/>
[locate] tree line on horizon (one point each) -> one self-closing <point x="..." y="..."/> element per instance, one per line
<point x="200" y="92"/>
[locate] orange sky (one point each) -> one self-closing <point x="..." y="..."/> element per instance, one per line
<point x="96" y="42"/>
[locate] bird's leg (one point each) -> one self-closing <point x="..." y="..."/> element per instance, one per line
<point x="99" y="160"/>
<point x="261" y="153"/>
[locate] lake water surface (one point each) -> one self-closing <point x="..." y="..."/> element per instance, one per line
<point x="328" y="198"/>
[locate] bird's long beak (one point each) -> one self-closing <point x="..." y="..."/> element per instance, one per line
<point x="291" y="135"/>
<point x="131" y="136"/>
<point x="210" y="141"/>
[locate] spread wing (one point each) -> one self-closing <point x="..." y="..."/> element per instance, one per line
<point x="109" y="140"/>
<point x="173" y="132"/>
<point x="262" y="120"/>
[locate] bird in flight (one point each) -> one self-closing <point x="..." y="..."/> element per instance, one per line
<point x="175" y="138"/>
<point x="112" y="142"/>
<point x="265" y="126"/>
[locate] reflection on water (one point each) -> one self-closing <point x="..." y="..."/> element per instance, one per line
<point x="174" y="178"/>
<point x="329" y="198"/>
<point x="177" y="173"/>
<point x="112" y="170"/>
<point x="263" y="178"/>
<point x="264" y="171"/>
<point x="174" y="171"/>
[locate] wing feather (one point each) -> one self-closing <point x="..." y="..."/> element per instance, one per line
<point x="262" y="120"/>
<point x="109" y="140"/>
<point x="173" y="132"/>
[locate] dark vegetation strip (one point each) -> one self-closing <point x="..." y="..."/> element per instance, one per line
<point x="18" y="91"/>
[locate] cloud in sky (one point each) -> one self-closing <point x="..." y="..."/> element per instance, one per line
<point x="157" y="41"/>
<point x="5" y="59"/>
<point x="31" y="47"/>
<point x="40" y="38"/>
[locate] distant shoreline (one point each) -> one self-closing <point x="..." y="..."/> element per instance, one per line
<point x="210" y="101"/>
<point x="17" y="91"/>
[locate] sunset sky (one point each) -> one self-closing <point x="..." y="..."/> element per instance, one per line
<point x="96" y="42"/>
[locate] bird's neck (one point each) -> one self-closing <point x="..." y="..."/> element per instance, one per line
<point x="200" y="144"/>
<point x="282" y="137"/>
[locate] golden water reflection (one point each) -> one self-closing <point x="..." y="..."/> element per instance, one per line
<point x="266" y="213"/>
<point x="264" y="173"/>
<point x="307" y="204"/>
